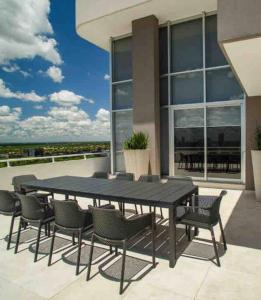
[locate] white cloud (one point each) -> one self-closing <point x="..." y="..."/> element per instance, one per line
<point x="5" y="92"/>
<point x="25" y="31"/>
<point x="15" y="68"/>
<point x="55" y="73"/>
<point x="107" y="77"/>
<point x="60" y="124"/>
<point x="91" y="101"/>
<point x="38" y="107"/>
<point x="66" y="98"/>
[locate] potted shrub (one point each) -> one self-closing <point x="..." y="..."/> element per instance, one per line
<point x="137" y="154"/>
<point x="256" y="161"/>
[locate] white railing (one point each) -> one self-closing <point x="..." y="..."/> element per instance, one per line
<point x="52" y="158"/>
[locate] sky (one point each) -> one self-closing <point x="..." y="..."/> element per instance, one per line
<point x="54" y="86"/>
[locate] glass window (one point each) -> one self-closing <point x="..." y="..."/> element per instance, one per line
<point x="122" y="127"/>
<point x="186" y="46"/>
<point x="189" y="142"/>
<point x="164" y="141"/>
<point x="224" y="142"/>
<point x="214" y="55"/>
<point x="163" y="50"/>
<point x="222" y="85"/>
<point x="122" y="59"/>
<point x="122" y="96"/>
<point x="189" y="118"/>
<point x="187" y="88"/>
<point x="224" y="116"/>
<point x="164" y="91"/>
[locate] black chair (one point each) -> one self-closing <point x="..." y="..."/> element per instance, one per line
<point x="99" y="175"/>
<point x="10" y="206"/>
<point x="126" y="177"/>
<point x="69" y="217"/>
<point x="112" y="228"/>
<point x="34" y="212"/>
<point x="151" y="178"/>
<point x="206" y="215"/>
<point x="18" y="181"/>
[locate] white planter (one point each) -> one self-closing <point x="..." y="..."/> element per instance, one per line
<point x="137" y="162"/>
<point x="256" y="162"/>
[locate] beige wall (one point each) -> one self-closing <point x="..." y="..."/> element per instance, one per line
<point x="145" y="60"/>
<point x="74" y="168"/>
<point x="238" y="19"/>
<point x="253" y="118"/>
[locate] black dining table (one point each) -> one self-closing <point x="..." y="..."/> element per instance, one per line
<point x="166" y="195"/>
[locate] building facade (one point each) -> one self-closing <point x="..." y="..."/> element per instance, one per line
<point x="172" y="78"/>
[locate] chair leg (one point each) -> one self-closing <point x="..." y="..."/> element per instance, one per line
<point x="116" y="250"/>
<point x="73" y="238"/>
<point x="18" y="235"/>
<point x="51" y="248"/>
<point x="90" y="259"/>
<point x="46" y="229"/>
<point x="49" y="229"/>
<point x="189" y="233"/>
<point x="161" y="213"/>
<point x="37" y="242"/>
<point x="10" y="232"/>
<point x="141" y="209"/>
<point x="136" y="209"/>
<point x="123" y="266"/>
<point x="79" y="252"/>
<point x="153" y="233"/>
<point x="111" y="251"/>
<point x="215" y="245"/>
<point x="223" y="234"/>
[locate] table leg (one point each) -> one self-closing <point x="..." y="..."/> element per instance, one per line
<point x="172" y="237"/>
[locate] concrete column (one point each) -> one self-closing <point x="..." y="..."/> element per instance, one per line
<point x="253" y="119"/>
<point x="145" y="64"/>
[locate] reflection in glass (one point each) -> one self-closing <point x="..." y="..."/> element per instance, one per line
<point x="122" y="96"/>
<point x="163" y="50"/>
<point x="214" y="55"/>
<point x="222" y="86"/>
<point x="186" y="46"/>
<point x="187" y="88"/>
<point x="189" y="118"/>
<point x="189" y="151"/>
<point x="122" y="59"/>
<point x="224" y="116"/>
<point x="164" y="141"/>
<point x="224" y="152"/>
<point x="122" y="127"/>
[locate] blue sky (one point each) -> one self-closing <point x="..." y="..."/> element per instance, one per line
<point x="53" y="84"/>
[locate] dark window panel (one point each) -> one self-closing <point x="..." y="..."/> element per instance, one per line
<point x="163" y="50"/>
<point x="164" y="141"/>
<point x="189" y="137"/>
<point x="186" y="46"/>
<point x="187" y="88"/>
<point x="214" y="55"/>
<point x="122" y="59"/>
<point x="224" y="136"/>
<point x="164" y="91"/>
<point x="122" y="96"/>
<point x="222" y="85"/>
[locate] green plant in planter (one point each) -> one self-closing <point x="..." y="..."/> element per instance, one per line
<point x="138" y="140"/>
<point x="258" y="138"/>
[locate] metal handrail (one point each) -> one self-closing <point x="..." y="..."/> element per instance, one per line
<point x="52" y="157"/>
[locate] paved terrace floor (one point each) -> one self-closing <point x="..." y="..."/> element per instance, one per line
<point x="195" y="275"/>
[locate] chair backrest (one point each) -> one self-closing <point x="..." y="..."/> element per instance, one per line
<point x="125" y="176"/>
<point x="101" y="175"/>
<point x="32" y="208"/>
<point x="21" y="179"/>
<point x="149" y="178"/>
<point x="214" y="210"/>
<point x="108" y="223"/>
<point x="68" y="214"/>
<point x="8" y="203"/>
